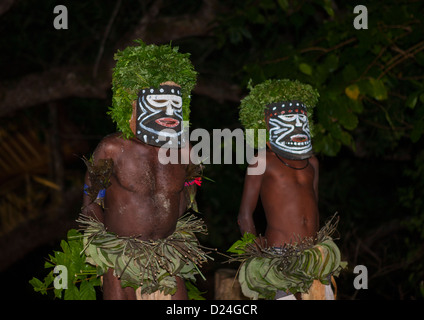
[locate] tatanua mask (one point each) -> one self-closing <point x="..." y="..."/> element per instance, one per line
<point x="288" y="126"/>
<point x="159" y="118"/>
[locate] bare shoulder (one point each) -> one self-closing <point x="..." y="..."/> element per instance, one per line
<point x="260" y="157"/>
<point x="109" y="146"/>
<point x="313" y="161"/>
<point x="272" y="161"/>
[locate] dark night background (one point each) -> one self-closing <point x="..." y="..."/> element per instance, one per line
<point x="55" y="92"/>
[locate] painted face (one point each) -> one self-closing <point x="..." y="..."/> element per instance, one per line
<point x="288" y="126"/>
<point x="159" y="116"/>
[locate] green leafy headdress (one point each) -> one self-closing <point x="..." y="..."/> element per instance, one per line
<point x="252" y="107"/>
<point x="146" y="66"/>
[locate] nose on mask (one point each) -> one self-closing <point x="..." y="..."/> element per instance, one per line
<point x="169" y="109"/>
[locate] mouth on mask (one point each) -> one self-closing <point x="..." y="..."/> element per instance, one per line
<point x="289" y="129"/>
<point x="167" y="122"/>
<point x="300" y="139"/>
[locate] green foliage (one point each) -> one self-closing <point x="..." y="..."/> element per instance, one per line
<point x="193" y="292"/>
<point x="82" y="277"/>
<point x="150" y="265"/>
<point x="370" y="117"/>
<point x="239" y="246"/>
<point x="369" y="80"/>
<point x="369" y="121"/>
<point x="252" y="107"/>
<point x="292" y="268"/>
<point x="145" y="66"/>
<point x="260" y="277"/>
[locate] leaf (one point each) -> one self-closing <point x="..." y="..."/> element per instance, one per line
<point x="240" y="245"/>
<point x="58" y="293"/>
<point x="321" y="74"/>
<point x="412" y="100"/>
<point x="95" y="281"/>
<point x="193" y="292"/>
<point x="38" y="285"/>
<point x="417" y="131"/>
<point x="87" y="291"/>
<point x="328" y="7"/>
<point x="284" y="4"/>
<point x="378" y="90"/>
<point x="305" y="68"/>
<point x="352" y="91"/>
<point x="245" y="288"/>
<point x="72" y="293"/>
<point x="330" y="146"/>
<point x="347" y="139"/>
<point x="349" y="121"/>
<point x="422" y="97"/>
<point x="65" y="247"/>
<point x="77" y="268"/>
<point x="349" y="73"/>
<point x="355" y="105"/>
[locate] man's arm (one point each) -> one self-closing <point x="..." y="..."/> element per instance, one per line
<point x="193" y="173"/>
<point x="94" y="188"/>
<point x="89" y="206"/>
<point x="249" y="200"/>
<point x="314" y="163"/>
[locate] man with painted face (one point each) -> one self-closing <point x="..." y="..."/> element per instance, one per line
<point x="288" y="188"/>
<point x="288" y="126"/>
<point x="132" y="216"/>
<point x="159" y="117"/>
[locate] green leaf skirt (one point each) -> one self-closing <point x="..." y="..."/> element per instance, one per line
<point x="149" y="264"/>
<point x="292" y="267"/>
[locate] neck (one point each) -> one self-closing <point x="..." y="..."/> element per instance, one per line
<point x="292" y="167"/>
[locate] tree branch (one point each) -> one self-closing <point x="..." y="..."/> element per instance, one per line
<point x="78" y="81"/>
<point x="54" y="84"/>
<point x="5" y="5"/>
<point x="105" y="35"/>
<point x="162" y="30"/>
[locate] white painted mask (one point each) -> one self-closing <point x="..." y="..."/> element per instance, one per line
<point x="159" y="116"/>
<point x="289" y="134"/>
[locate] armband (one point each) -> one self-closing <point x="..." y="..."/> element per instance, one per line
<point x="100" y="195"/>
<point x="197" y="181"/>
